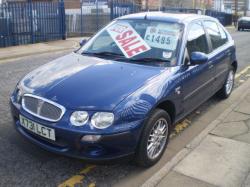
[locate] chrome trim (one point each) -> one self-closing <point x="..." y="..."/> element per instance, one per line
<point x="46" y="100"/>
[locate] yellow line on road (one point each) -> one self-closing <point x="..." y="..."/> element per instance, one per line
<point x="242" y="72"/>
<point x="78" y="178"/>
<point x="87" y="169"/>
<point x="179" y="127"/>
<point x="92" y="185"/>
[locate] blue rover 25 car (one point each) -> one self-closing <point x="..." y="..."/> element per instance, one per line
<point x="121" y="93"/>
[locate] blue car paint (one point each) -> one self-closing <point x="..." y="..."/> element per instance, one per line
<point x="130" y="91"/>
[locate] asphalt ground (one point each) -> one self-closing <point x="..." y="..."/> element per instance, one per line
<point x="24" y="164"/>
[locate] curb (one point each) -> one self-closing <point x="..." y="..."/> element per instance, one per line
<point x="158" y="176"/>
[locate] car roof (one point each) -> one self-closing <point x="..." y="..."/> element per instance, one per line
<point x="164" y="16"/>
<point x="245" y="18"/>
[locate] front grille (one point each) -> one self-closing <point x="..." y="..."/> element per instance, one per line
<point x="42" y="108"/>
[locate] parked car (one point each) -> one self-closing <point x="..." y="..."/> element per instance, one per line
<point x="123" y="91"/>
<point x="243" y="23"/>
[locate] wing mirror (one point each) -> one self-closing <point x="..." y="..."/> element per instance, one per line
<point x="83" y="42"/>
<point x="198" y="58"/>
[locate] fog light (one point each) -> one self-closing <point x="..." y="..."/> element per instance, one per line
<point x="90" y="138"/>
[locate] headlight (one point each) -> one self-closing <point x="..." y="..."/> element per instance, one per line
<point x="102" y="120"/>
<point x="79" y="118"/>
<point x="19" y="93"/>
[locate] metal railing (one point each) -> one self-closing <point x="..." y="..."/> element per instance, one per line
<point x="95" y="14"/>
<point x="31" y="22"/>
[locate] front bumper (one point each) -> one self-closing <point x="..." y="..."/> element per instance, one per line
<point x="68" y="141"/>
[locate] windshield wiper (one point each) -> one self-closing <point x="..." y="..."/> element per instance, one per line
<point x="104" y="53"/>
<point x="149" y="60"/>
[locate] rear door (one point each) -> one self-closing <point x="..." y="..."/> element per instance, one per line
<point x="221" y="52"/>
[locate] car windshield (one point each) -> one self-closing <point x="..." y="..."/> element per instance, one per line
<point x="137" y="41"/>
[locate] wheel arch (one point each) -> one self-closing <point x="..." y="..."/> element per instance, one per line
<point x="169" y="107"/>
<point x="235" y="65"/>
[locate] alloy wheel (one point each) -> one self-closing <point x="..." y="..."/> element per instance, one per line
<point x="157" y="138"/>
<point x="230" y="82"/>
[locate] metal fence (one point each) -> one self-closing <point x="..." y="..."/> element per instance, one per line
<point x="95" y="14"/>
<point x="224" y="18"/>
<point x="26" y="22"/>
<point x="31" y="22"/>
<point x="182" y="10"/>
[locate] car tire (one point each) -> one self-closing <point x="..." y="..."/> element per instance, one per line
<point x="239" y="28"/>
<point x="227" y="87"/>
<point x="149" y="142"/>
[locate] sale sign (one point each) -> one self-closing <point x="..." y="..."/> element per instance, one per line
<point x="127" y="39"/>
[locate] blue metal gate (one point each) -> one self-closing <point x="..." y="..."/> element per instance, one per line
<point x="224" y="18"/>
<point x="31" y="22"/>
<point x="120" y="8"/>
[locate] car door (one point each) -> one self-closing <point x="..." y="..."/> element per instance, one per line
<point x="198" y="79"/>
<point x="221" y="54"/>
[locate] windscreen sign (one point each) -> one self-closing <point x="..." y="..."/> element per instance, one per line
<point x="127" y="39"/>
<point x="162" y="37"/>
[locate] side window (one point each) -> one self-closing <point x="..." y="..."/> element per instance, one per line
<point x="223" y="35"/>
<point x="217" y="34"/>
<point x="197" y="41"/>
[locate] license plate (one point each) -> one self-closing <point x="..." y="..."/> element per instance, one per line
<point x="36" y="128"/>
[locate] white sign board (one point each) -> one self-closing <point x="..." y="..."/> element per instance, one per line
<point x="161" y="37"/>
<point x="127" y="39"/>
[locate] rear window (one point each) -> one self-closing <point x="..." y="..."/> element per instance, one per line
<point x="216" y="33"/>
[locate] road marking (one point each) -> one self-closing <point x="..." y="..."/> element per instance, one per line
<point x="92" y="185"/>
<point x="242" y="72"/>
<point x="78" y="178"/>
<point x="12" y="59"/>
<point x="182" y="125"/>
<point x="87" y="169"/>
<point x="179" y="127"/>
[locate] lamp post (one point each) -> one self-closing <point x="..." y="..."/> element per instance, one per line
<point x="246" y="9"/>
<point x="160" y="5"/>
<point x="81" y="3"/>
<point x="236" y="8"/>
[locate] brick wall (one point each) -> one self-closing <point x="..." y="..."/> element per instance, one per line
<point x="72" y="4"/>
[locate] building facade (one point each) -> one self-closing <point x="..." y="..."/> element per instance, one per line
<point x="69" y="4"/>
<point x="240" y="7"/>
<point x="201" y="4"/>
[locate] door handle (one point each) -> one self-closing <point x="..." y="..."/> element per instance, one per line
<point x="210" y="65"/>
